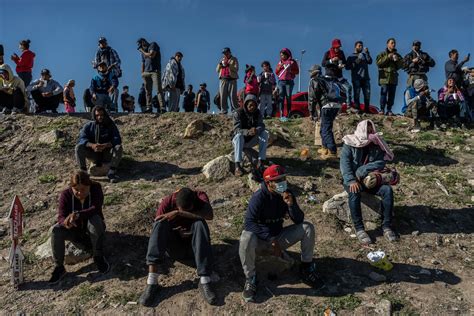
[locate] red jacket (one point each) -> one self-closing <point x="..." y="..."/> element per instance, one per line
<point x="251" y="85"/>
<point x="24" y="63"/>
<point x="287" y="69"/>
<point x="168" y="204"/>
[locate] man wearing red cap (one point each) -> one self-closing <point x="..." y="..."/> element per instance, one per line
<point x="263" y="229"/>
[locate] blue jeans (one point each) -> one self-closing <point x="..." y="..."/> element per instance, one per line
<point x="328" y="115"/>
<point x="387" y="96"/>
<point x="285" y="89"/>
<point x="363" y="85"/>
<point x="385" y="192"/>
<point x="239" y="144"/>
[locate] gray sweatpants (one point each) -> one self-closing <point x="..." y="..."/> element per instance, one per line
<point x="228" y="88"/>
<point x="250" y="245"/>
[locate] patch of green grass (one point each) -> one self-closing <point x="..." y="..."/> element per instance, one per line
<point x="87" y="292"/>
<point x="124" y="298"/>
<point x="30" y="258"/>
<point x="59" y="123"/>
<point x="113" y="199"/>
<point x="348" y="302"/>
<point x="458" y="140"/>
<point x="300" y="305"/>
<point x="427" y="136"/>
<point x="144" y="186"/>
<point x="47" y="178"/>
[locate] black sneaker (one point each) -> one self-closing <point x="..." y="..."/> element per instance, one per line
<point x="250" y="290"/>
<point x="102" y="265"/>
<point x="149" y="295"/>
<point x="58" y="273"/>
<point x="308" y="275"/>
<point x="208" y="293"/>
<point x="112" y="176"/>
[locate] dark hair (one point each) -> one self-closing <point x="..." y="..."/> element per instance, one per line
<point x="190" y="86"/>
<point x="80" y="177"/>
<point x="25" y="43"/>
<point x="125" y="87"/>
<point x="265" y="62"/>
<point x="185" y="198"/>
<point x="391" y="39"/>
<point x="179" y="54"/>
<point x="452" y="52"/>
<point x="359" y="42"/>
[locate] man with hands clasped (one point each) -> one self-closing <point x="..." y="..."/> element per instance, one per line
<point x="263" y="230"/>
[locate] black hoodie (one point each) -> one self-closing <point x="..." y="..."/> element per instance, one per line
<point x="95" y="133"/>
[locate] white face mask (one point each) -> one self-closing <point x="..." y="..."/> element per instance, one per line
<point x="281" y="187"/>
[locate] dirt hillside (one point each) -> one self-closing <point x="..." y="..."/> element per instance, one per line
<point x="433" y="262"/>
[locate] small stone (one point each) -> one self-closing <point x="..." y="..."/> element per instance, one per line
<point x="384" y="307"/>
<point x="380" y="292"/>
<point x="416" y="233"/>
<point x="348" y="230"/>
<point x="308" y="186"/>
<point x="435" y="262"/>
<point x="423" y="169"/>
<point x="371" y="226"/>
<point x="377" y="277"/>
<point x="353" y="236"/>
<point x="194" y="129"/>
<point x="459" y="298"/>
<point x="51" y="137"/>
<point x="471" y="182"/>
<point x="457" y="148"/>
<point x="217" y="169"/>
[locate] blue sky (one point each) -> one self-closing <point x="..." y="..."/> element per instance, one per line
<point x="64" y="34"/>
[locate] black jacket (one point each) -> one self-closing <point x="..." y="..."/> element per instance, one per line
<point x="421" y="67"/>
<point x="244" y="120"/>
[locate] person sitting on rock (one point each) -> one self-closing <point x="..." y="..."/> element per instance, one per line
<point x="362" y="165"/>
<point x="104" y="84"/>
<point x="100" y="141"/>
<point x="46" y="92"/>
<point x="263" y="229"/>
<point x="80" y="220"/>
<point x="180" y="229"/>
<point x="249" y="130"/>
<point x="419" y="103"/>
<point x="13" y="97"/>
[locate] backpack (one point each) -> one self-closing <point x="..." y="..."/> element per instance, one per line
<point x="217" y="100"/>
<point x="334" y="90"/>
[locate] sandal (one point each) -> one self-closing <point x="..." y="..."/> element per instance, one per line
<point x="363" y="237"/>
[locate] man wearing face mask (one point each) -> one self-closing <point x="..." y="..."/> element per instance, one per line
<point x="263" y="230"/>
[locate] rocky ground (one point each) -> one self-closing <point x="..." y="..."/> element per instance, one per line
<point x="433" y="262"/>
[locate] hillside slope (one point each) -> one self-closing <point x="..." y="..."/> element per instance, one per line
<point x="436" y="229"/>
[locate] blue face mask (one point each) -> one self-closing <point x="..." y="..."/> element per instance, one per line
<point x="281" y="187"/>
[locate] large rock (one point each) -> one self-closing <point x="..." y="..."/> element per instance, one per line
<point x="218" y="168"/>
<point x="194" y="129"/>
<point x="383" y="308"/>
<point x="99" y="171"/>
<point x="72" y="255"/>
<point x="51" y="137"/>
<point x="267" y="264"/>
<point x="338" y="205"/>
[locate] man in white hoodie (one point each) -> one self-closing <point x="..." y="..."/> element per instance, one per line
<point x="13" y="97"/>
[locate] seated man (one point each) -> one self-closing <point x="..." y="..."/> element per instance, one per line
<point x="365" y="152"/>
<point x="12" y="92"/>
<point x="180" y="228"/>
<point x="80" y="220"/>
<point x="419" y="103"/>
<point x="100" y="141"/>
<point x="249" y="130"/>
<point x="263" y="229"/>
<point x="46" y="92"/>
<point x="102" y="86"/>
<point x="128" y="101"/>
<point x="451" y="102"/>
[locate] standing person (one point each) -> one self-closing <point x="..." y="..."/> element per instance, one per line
<point x="69" y="97"/>
<point x="363" y="158"/>
<point x="286" y="71"/>
<point x="388" y="62"/>
<point x="358" y="63"/>
<point x="13" y="98"/>
<point x="104" y="84"/>
<point x="263" y="230"/>
<point x="313" y="104"/>
<point x="100" y="141"/>
<point x="417" y="64"/>
<point x="249" y="130"/>
<point x="128" y="101"/>
<point x="24" y="63"/>
<point x="419" y="103"/>
<point x="267" y="84"/>
<point x="81" y="221"/>
<point x="336" y="59"/>
<point x="189" y="99"/>
<point x="2" y="54"/>
<point x="453" y="69"/>
<point x="228" y="70"/>
<point x="173" y="81"/>
<point x="142" y="98"/>
<point x="107" y="54"/>
<point x="151" y="72"/>
<point x="180" y="229"/>
<point x="250" y="80"/>
<point x="203" y="99"/>
<point x="325" y="94"/>
<point x="46" y="92"/>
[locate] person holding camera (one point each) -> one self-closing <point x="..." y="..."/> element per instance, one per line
<point x="453" y="69"/>
<point x="419" y="103"/>
<point x="151" y="72"/>
<point x="389" y="62"/>
<point x="24" y="63"/>
<point x="358" y="63"/>
<point x="452" y="103"/>
<point x="228" y="70"/>
<point x="267" y="84"/>
<point x="264" y="231"/>
<point x="335" y="59"/>
<point x="417" y="64"/>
